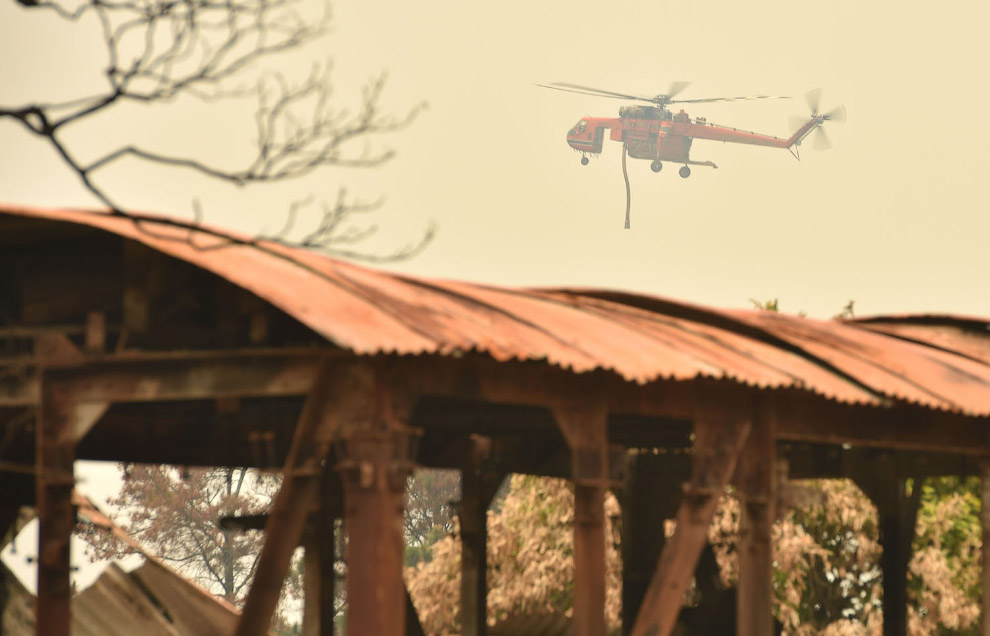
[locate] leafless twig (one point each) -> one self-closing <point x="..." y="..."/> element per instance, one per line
<point x="159" y="50"/>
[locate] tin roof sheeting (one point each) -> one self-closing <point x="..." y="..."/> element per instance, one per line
<point x="938" y="362"/>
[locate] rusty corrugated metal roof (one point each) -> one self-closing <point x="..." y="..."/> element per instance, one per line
<point x="118" y="599"/>
<point x="942" y="365"/>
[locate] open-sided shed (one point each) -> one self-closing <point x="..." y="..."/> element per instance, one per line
<point x="151" y="341"/>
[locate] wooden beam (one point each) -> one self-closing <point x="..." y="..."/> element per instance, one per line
<point x="193" y="376"/>
<point x="757" y="480"/>
<point x="479" y="377"/>
<point x="809" y="419"/>
<point x="719" y="436"/>
<point x="801" y="415"/>
<point x="339" y="391"/>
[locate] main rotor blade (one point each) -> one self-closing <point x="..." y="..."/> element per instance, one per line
<point x="837" y="114"/>
<point x="727" y="99"/>
<point x="676" y="88"/>
<point x="587" y="90"/>
<point x="814" y="98"/>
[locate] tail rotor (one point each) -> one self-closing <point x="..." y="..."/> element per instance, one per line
<point x="836" y="114"/>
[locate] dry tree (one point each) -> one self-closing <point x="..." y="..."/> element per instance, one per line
<point x="157" y="51"/>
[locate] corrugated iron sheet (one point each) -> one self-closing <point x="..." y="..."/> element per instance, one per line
<point x="941" y="364"/>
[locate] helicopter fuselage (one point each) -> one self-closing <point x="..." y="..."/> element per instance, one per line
<point x="656" y="134"/>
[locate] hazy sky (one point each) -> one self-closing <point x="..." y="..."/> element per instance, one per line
<point x="893" y="216"/>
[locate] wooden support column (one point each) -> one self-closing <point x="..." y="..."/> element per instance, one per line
<point x="63" y="419"/>
<point x="897" y="512"/>
<point x="757" y="481"/>
<point x="985" y="574"/>
<point x="318" y="570"/>
<point x="374" y="467"/>
<point x="719" y="436"/>
<point x="340" y="392"/>
<point x="651" y="494"/>
<point x="478" y="486"/>
<point x="585" y="426"/>
<point x="55" y="454"/>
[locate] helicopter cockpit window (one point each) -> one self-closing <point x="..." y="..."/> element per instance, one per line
<point x="581" y="126"/>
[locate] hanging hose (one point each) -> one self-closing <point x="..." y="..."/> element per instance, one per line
<point x="625" y="175"/>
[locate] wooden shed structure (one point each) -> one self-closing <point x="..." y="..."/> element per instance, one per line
<point x="146" y="340"/>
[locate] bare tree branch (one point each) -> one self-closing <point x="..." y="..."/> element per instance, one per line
<point x="159" y="50"/>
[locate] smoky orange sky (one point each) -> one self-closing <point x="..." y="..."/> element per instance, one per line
<point x="894" y="216"/>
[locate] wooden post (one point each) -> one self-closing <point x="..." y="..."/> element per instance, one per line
<point x="312" y="623"/>
<point x="893" y="535"/>
<point x="374" y="469"/>
<point x="985" y="574"/>
<point x="897" y="512"/>
<point x="318" y="571"/>
<point x="651" y="494"/>
<point x="474" y="561"/>
<point x="55" y="454"/>
<point x="757" y="480"/>
<point x="477" y="489"/>
<point x="337" y="393"/>
<point x="585" y="426"/>
<point x="719" y="435"/>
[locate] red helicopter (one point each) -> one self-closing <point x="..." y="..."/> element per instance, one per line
<point x="653" y="133"/>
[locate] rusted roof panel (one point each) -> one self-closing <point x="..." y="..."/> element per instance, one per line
<point x="941" y="364"/>
<point x="963" y="335"/>
<point x="151" y="601"/>
<point x="114" y="604"/>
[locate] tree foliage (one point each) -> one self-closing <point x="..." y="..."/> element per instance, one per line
<point x="530" y="560"/>
<point x="429" y="516"/>
<point x="175" y="514"/>
<point x="826" y="580"/>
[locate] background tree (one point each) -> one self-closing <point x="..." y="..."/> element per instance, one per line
<point x="826" y="580"/>
<point x="159" y="53"/>
<point x="431" y="496"/>
<point x="530" y="560"/>
<point x="175" y="514"/>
